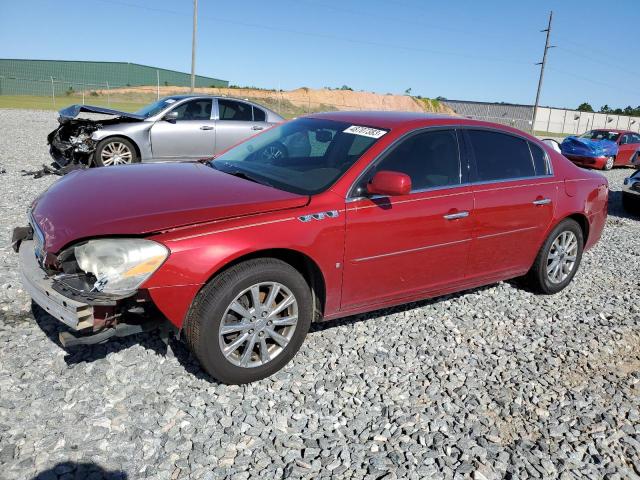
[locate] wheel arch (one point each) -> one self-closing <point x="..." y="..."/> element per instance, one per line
<point x="582" y="220"/>
<point x="302" y="262"/>
<point x="117" y="135"/>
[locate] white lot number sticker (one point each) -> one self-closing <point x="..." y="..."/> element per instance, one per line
<point x="364" y="131"/>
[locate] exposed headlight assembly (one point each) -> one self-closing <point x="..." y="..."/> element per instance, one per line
<point x="120" y="265"/>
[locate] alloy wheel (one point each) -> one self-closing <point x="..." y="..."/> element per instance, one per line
<point x="115" y="153"/>
<point x="258" y="324"/>
<point x="609" y="164"/>
<point x="562" y="256"/>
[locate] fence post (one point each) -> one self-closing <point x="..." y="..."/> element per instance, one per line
<point x="108" y="96"/>
<point x="53" y="93"/>
<point x="564" y="121"/>
<point x="158" y="84"/>
<point x="83" y="93"/>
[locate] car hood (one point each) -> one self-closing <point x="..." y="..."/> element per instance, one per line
<point x="74" y="110"/>
<point x="147" y="198"/>
<point x="577" y="145"/>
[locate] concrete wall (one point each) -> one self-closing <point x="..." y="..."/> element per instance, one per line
<point x="570" y="122"/>
<point x="555" y="120"/>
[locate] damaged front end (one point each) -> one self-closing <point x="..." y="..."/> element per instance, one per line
<point x="71" y="145"/>
<point x="63" y="290"/>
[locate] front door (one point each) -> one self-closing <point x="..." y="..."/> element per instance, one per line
<point x="515" y="194"/>
<point x="237" y="121"/>
<point x="399" y="246"/>
<point x="190" y="135"/>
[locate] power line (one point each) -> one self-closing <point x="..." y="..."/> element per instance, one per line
<point x="325" y="35"/>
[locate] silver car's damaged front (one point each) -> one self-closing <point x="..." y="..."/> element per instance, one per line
<point x="181" y="127"/>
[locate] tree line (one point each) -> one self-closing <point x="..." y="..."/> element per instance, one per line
<point x="629" y="110"/>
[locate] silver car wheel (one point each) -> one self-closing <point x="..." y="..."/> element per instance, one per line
<point x="562" y="257"/>
<point x="609" y="164"/>
<point x="115" y="153"/>
<point x="258" y="324"/>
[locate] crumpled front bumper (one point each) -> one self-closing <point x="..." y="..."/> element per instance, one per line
<point x="75" y="314"/>
<point x="593" y="162"/>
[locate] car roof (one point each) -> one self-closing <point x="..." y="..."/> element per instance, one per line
<point x="617" y="130"/>
<point x="390" y="120"/>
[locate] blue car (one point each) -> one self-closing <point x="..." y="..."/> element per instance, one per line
<point x="595" y="149"/>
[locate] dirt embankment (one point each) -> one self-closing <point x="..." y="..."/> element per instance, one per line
<point x="306" y="99"/>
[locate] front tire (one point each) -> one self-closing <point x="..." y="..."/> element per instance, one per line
<point x="115" y="151"/>
<point x="609" y="163"/>
<point x="248" y="322"/>
<point x="558" y="259"/>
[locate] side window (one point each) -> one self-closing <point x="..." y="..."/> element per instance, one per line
<point x="232" y="110"/>
<point x="431" y="159"/>
<point x="194" y="110"/>
<point x="626" y="138"/>
<point x="635" y="138"/>
<point x="500" y="156"/>
<point x="540" y="163"/>
<point x="259" y="115"/>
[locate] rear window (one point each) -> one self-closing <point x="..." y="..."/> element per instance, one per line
<point x="540" y="163"/>
<point x="500" y="156"/>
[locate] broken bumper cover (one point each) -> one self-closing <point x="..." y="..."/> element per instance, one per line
<point x="584" y="161"/>
<point x="75" y="314"/>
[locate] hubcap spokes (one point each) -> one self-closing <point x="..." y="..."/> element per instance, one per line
<point x="115" y="153"/>
<point x="562" y="257"/>
<point x="258" y="324"/>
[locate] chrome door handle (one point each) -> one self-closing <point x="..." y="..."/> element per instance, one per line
<point x="454" y="216"/>
<point x="206" y="127"/>
<point x="257" y="127"/>
<point x="542" y="201"/>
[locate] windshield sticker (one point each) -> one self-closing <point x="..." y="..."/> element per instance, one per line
<point x="365" y="131"/>
<point x="169" y="100"/>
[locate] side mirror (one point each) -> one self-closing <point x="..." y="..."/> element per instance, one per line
<point x="389" y="183"/>
<point x="171" y="117"/>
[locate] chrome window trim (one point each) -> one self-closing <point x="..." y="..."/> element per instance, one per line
<point x="551" y="174"/>
<point x="521" y="137"/>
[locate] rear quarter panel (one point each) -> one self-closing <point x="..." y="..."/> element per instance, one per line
<point x="585" y="193"/>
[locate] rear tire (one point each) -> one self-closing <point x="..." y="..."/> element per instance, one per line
<point x="114" y="151"/>
<point x="239" y="302"/>
<point x="556" y="264"/>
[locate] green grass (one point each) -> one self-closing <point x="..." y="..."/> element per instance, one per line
<point x="542" y="133"/>
<point x="46" y="103"/>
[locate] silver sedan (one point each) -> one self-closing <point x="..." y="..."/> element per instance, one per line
<point x="180" y="127"/>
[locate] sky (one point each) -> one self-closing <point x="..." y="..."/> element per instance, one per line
<point x="458" y="49"/>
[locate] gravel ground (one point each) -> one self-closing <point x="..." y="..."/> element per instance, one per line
<point x="490" y="383"/>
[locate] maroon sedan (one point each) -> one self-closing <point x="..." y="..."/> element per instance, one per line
<point x="325" y="216"/>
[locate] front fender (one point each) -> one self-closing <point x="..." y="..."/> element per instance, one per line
<point x="136" y="132"/>
<point x="199" y="253"/>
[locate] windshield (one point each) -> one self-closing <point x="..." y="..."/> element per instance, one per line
<point x="304" y="156"/>
<point x="601" y="135"/>
<point x="156" y="107"/>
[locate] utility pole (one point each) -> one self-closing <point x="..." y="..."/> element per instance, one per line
<point x="193" y="45"/>
<point x="542" y="64"/>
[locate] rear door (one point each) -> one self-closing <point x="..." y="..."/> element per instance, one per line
<point x="191" y="135"/>
<point x="237" y="121"/>
<point x="514" y="193"/>
<point x="399" y="246"/>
